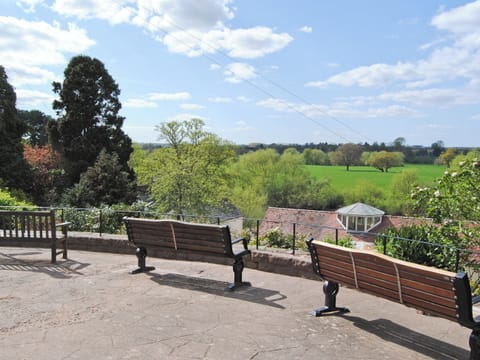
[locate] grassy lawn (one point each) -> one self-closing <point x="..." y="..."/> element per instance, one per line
<point x="342" y="179"/>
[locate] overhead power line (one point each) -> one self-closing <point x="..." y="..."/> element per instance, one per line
<point x="261" y="89"/>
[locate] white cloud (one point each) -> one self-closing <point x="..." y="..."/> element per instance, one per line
<point x="168" y="15"/>
<point x="339" y="110"/>
<point x="169" y="96"/>
<point x="115" y="12"/>
<point x="238" y="72"/>
<point x="373" y="75"/>
<point x="192" y="106"/>
<point x="457" y="60"/>
<point x="214" y="66"/>
<point x="189" y="27"/>
<point x="254" y="42"/>
<point x="461" y="20"/>
<point x="32" y="75"/>
<point x="150" y="101"/>
<point x="140" y="103"/>
<point x="32" y="98"/>
<point x="28" y="5"/>
<point x="434" y="97"/>
<point x="29" y="46"/>
<point x="185" y="117"/>
<point x="220" y="99"/>
<point x="306" y="29"/>
<point x="241" y="43"/>
<point x="243" y="99"/>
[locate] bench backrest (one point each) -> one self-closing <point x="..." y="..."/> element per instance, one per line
<point x="180" y="236"/>
<point x="27" y="225"/>
<point x="425" y="288"/>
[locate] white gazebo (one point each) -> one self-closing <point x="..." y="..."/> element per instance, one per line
<point x="359" y="217"/>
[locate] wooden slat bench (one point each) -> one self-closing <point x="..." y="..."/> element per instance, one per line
<point x="34" y="228"/>
<point x="202" y="240"/>
<point x="433" y="291"/>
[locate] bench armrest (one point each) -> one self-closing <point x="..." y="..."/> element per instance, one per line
<point x="64" y="226"/>
<point x="245" y="242"/>
<point x="464" y="301"/>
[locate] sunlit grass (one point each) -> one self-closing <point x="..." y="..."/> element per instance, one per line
<point x="342" y="179"/>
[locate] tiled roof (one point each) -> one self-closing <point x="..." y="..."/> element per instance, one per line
<point x="360" y="209"/>
<point x="324" y="224"/>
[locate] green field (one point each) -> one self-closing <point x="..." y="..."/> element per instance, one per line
<point x="342" y="179"/>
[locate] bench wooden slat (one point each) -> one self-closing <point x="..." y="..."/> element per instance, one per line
<point x="27" y="228"/>
<point x="436" y="279"/>
<point x="201" y="241"/>
<point x="339" y="277"/>
<point x="427" y="289"/>
<point x="430" y="308"/>
<point x="433" y="298"/>
<point x="433" y="291"/>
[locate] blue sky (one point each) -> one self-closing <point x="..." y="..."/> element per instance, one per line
<point x="270" y="71"/>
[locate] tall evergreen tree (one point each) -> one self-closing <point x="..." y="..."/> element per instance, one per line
<point x="104" y="183"/>
<point x="36" y="123"/>
<point x="88" y="122"/>
<point x="14" y="171"/>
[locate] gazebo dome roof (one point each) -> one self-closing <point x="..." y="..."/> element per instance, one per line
<point x="360" y="209"/>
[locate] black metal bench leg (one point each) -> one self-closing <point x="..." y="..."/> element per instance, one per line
<point x="238" y="270"/>
<point x="330" y="289"/>
<point x="475" y="344"/>
<point x="141" y="253"/>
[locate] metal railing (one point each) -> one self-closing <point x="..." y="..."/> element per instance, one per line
<point x="103" y="220"/>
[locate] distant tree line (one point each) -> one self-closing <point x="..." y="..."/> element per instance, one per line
<point x="412" y="154"/>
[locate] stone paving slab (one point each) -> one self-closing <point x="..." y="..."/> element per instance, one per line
<point x="89" y="307"/>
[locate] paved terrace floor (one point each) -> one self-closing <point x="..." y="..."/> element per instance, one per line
<point x="89" y="307"/>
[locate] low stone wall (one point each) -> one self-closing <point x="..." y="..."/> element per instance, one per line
<point x="271" y="261"/>
<point x="280" y="262"/>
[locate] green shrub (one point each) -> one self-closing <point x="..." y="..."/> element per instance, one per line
<point x="276" y="238"/>
<point x="9" y="199"/>
<point x="345" y="241"/>
<point x="422" y="244"/>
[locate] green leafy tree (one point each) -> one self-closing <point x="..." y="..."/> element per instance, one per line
<point x="384" y="160"/>
<point x="366" y="192"/>
<point x="250" y="176"/>
<point x="105" y="183"/>
<point x="399" y="143"/>
<point x="264" y="178"/>
<point x="447" y="156"/>
<point x="190" y="174"/>
<point x="315" y="157"/>
<point x="36" y="121"/>
<point x="437" y="148"/>
<point x="14" y="171"/>
<point x="454" y="201"/>
<point x="346" y="154"/>
<point x="455" y="196"/>
<point x="399" y="200"/>
<point x="88" y="122"/>
<point x="472" y="155"/>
